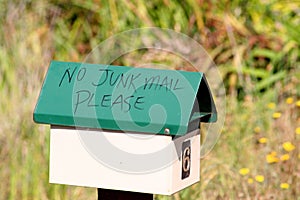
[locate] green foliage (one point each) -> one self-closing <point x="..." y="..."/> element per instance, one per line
<point x="254" y="43"/>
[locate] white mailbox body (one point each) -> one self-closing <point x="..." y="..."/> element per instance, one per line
<point x="158" y="164"/>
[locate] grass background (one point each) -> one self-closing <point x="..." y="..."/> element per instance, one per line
<point x="255" y="45"/>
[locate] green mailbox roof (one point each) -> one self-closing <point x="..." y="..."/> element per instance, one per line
<point x="124" y="98"/>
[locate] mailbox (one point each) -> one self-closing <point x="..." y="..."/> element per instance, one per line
<point x="124" y="128"/>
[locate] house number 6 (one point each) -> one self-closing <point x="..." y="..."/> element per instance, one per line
<point x="186" y="159"/>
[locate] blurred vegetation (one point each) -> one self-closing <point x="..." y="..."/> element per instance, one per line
<point x="254" y="43"/>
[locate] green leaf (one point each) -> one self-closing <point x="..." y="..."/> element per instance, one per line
<point x="270" y="80"/>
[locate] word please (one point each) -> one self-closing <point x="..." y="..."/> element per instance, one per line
<point x="86" y="98"/>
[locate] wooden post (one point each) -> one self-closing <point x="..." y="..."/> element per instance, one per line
<point x="104" y="194"/>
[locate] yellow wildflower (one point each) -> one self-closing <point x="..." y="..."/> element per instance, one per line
<point x="271" y="105"/>
<point x="244" y="171"/>
<point x="271" y="158"/>
<point x="289" y="100"/>
<point x="285" y="157"/>
<point x="263" y="140"/>
<point x="260" y="178"/>
<point x="298" y="103"/>
<point x="299" y="155"/>
<point x="284" y="186"/>
<point x="250" y="180"/>
<point x="257" y="129"/>
<point x="276" y="115"/>
<point x="297" y="130"/>
<point x="288" y="146"/>
<point x="273" y="153"/>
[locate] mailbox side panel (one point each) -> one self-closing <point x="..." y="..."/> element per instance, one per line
<point x="187" y="170"/>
